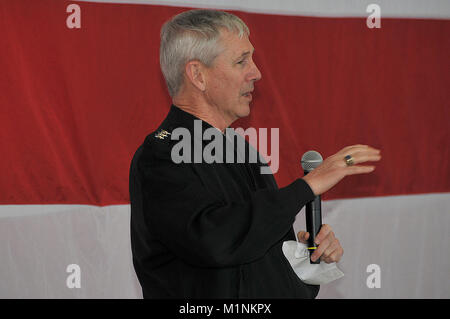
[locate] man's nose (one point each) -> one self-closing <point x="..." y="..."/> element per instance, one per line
<point x="255" y="74"/>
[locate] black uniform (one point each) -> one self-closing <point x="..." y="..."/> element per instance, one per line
<point x="215" y="230"/>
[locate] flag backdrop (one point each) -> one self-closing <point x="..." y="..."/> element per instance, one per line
<point x="76" y="104"/>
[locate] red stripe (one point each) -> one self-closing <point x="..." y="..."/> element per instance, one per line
<point x="77" y="103"/>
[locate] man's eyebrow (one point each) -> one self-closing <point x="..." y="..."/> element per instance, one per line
<point x="244" y="54"/>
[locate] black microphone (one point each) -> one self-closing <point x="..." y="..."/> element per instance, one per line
<point x="310" y="160"/>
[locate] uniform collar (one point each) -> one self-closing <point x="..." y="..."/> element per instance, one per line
<point x="180" y="118"/>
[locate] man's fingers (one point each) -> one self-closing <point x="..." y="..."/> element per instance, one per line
<point x="332" y="253"/>
<point x="320" y="249"/>
<point x="369" y="156"/>
<point x="362" y="156"/>
<point x="353" y="146"/>
<point x="303" y="236"/>
<point x="325" y="230"/>
<point x="356" y="148"/>
<point x="336" y="255"/>
<point x="324" y="239"/>
<point x="329" y="248"/>
<point x="352" y="170"/>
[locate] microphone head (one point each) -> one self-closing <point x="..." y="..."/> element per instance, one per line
<point x="310" y="160"/>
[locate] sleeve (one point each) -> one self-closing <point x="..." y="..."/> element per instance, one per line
<point x="201" y="228"/>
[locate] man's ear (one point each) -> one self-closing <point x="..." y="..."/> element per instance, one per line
<point x="195" y="73"/>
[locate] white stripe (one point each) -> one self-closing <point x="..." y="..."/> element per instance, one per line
<point x="407" y="236"/>
<point x="439" y="9"/>
<point x="30" y="210"/>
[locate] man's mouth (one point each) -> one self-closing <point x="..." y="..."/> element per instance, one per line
<point x="248" y="94"/>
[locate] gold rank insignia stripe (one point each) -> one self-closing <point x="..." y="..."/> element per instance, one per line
<point x="162" y="134"/>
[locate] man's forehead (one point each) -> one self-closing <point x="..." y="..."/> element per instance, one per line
<point x="237" y="46"/>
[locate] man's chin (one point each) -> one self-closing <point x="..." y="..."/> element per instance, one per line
<point x="244" y="110"/>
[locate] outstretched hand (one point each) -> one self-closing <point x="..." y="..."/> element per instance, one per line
<point x="334" y="168"/>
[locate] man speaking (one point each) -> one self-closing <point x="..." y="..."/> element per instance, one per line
<point x="215" y="230"/>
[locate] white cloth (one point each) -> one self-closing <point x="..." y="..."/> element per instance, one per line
<point x="313" y="274"/>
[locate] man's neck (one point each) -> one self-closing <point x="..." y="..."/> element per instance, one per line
<point x="204" y="112"/>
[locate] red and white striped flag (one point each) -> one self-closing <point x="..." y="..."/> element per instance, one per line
<point x="78" y="99"/>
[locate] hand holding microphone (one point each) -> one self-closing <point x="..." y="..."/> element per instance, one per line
<point x="321" y="176"/>
<point x="329" y="248"/>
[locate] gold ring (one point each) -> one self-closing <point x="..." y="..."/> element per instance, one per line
<point x="349" y="160"/>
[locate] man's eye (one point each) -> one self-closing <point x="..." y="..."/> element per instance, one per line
<point x="241" y="62"/>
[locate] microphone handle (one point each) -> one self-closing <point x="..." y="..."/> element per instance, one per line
<point x="313" y="224"/>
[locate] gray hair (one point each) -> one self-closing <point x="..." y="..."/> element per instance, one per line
<point x="193" y="35"/>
